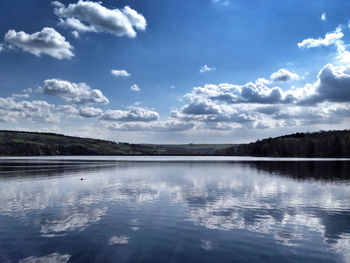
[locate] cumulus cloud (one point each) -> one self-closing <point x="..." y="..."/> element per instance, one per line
<point x="255" y="105"/>
<point x="135" y="87"/>
<point x="88" y="16"/>
<point x="283" y="75"/>
<point x="71" y="110"/>
<point x="234" y="94"/>
<point x="329" y="39"/>
<point x="79" y="93"/>
<point x="214" y="112"/>
<point x="74" y="23"/>
<point x="201" y="107"/>
<point x="208" y="113"/>
<point x="228" y="119"/>
<point x="120" y="73"/>
<point x="31" y="111"/>
<point x="206" y="68"/>
<point x="90" y="112"/>
<point x="131" y="115"/>
<point x="136" y="19"/>
<point x="343" y="54"/>
<point x="160" y="126"/>
<point x="333" y="83"/>
<point x="257" y="93"/>
<point x="263" y="81"/>
<point x="323" y="113"/>
<point x="48" y="41"/>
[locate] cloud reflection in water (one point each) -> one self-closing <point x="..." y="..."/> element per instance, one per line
<point x="253" y="197"/>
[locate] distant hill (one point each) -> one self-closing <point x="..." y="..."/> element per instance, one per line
<point x="316" y="144"/>
<point x="17" y="143"/>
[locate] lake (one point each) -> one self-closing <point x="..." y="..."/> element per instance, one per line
<point x="174" y="209"/>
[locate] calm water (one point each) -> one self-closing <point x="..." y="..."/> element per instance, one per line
<point x="152" y="209"/>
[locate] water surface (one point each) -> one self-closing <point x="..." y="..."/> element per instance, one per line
<point x="174" y="209"/>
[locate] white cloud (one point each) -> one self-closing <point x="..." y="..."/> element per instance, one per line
<point x="48" y="41"/>
<point x="136" y="19"/>
<point x="324" y="16"/>
<point x="90" y="112"/>
<point x="201" y="107"/>
<point x="329" y="39"/>
<point x="343" y="55"/>
<point x="306" y="115"/>
<point x="333" y="83"/>
<point x="263" y="81"/>
<point x="29" y="111"/>
<point x="206" y="68"/>
<point x="120" y="73"/>
<point x="68" y="109"/>
<point x="79" y="93"/>
<point x="160" y="126"/>
<point x="24" y="95"/>
<point x="335" y="39"/>
<point x="27" y="90"/>
<point x="133" y="114"/>
<point x="135" y="87"/>
<point x="88" y="16"/>
<point x="235" y="94"/>
<point x="75" y="34"/>
<point x="283" y="75"/>
<point x="76" y="24"/>
<point x="228" y="119"/>
<point x="229" y="106"/>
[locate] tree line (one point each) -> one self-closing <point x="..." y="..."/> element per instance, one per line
<point x="316" y="144"/>
<point x="18" y="143"/>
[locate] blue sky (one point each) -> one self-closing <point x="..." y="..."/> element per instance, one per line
<point x="175" y="71"/>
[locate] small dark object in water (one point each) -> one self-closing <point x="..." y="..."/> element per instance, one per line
<point x="81" y="179"/>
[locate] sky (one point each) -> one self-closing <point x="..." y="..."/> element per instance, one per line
<point x="166" y="71"/>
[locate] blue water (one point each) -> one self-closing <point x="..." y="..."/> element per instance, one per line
<point x="172" y="209"/>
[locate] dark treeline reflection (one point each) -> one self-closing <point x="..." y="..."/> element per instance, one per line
<point x="323" y="170"/>
<point x="329" y="170"/>
<point x="46" y="169"/>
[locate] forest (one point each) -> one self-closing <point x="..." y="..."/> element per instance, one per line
<point x="316" y="144"/>
<point x="18" y="143"/>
